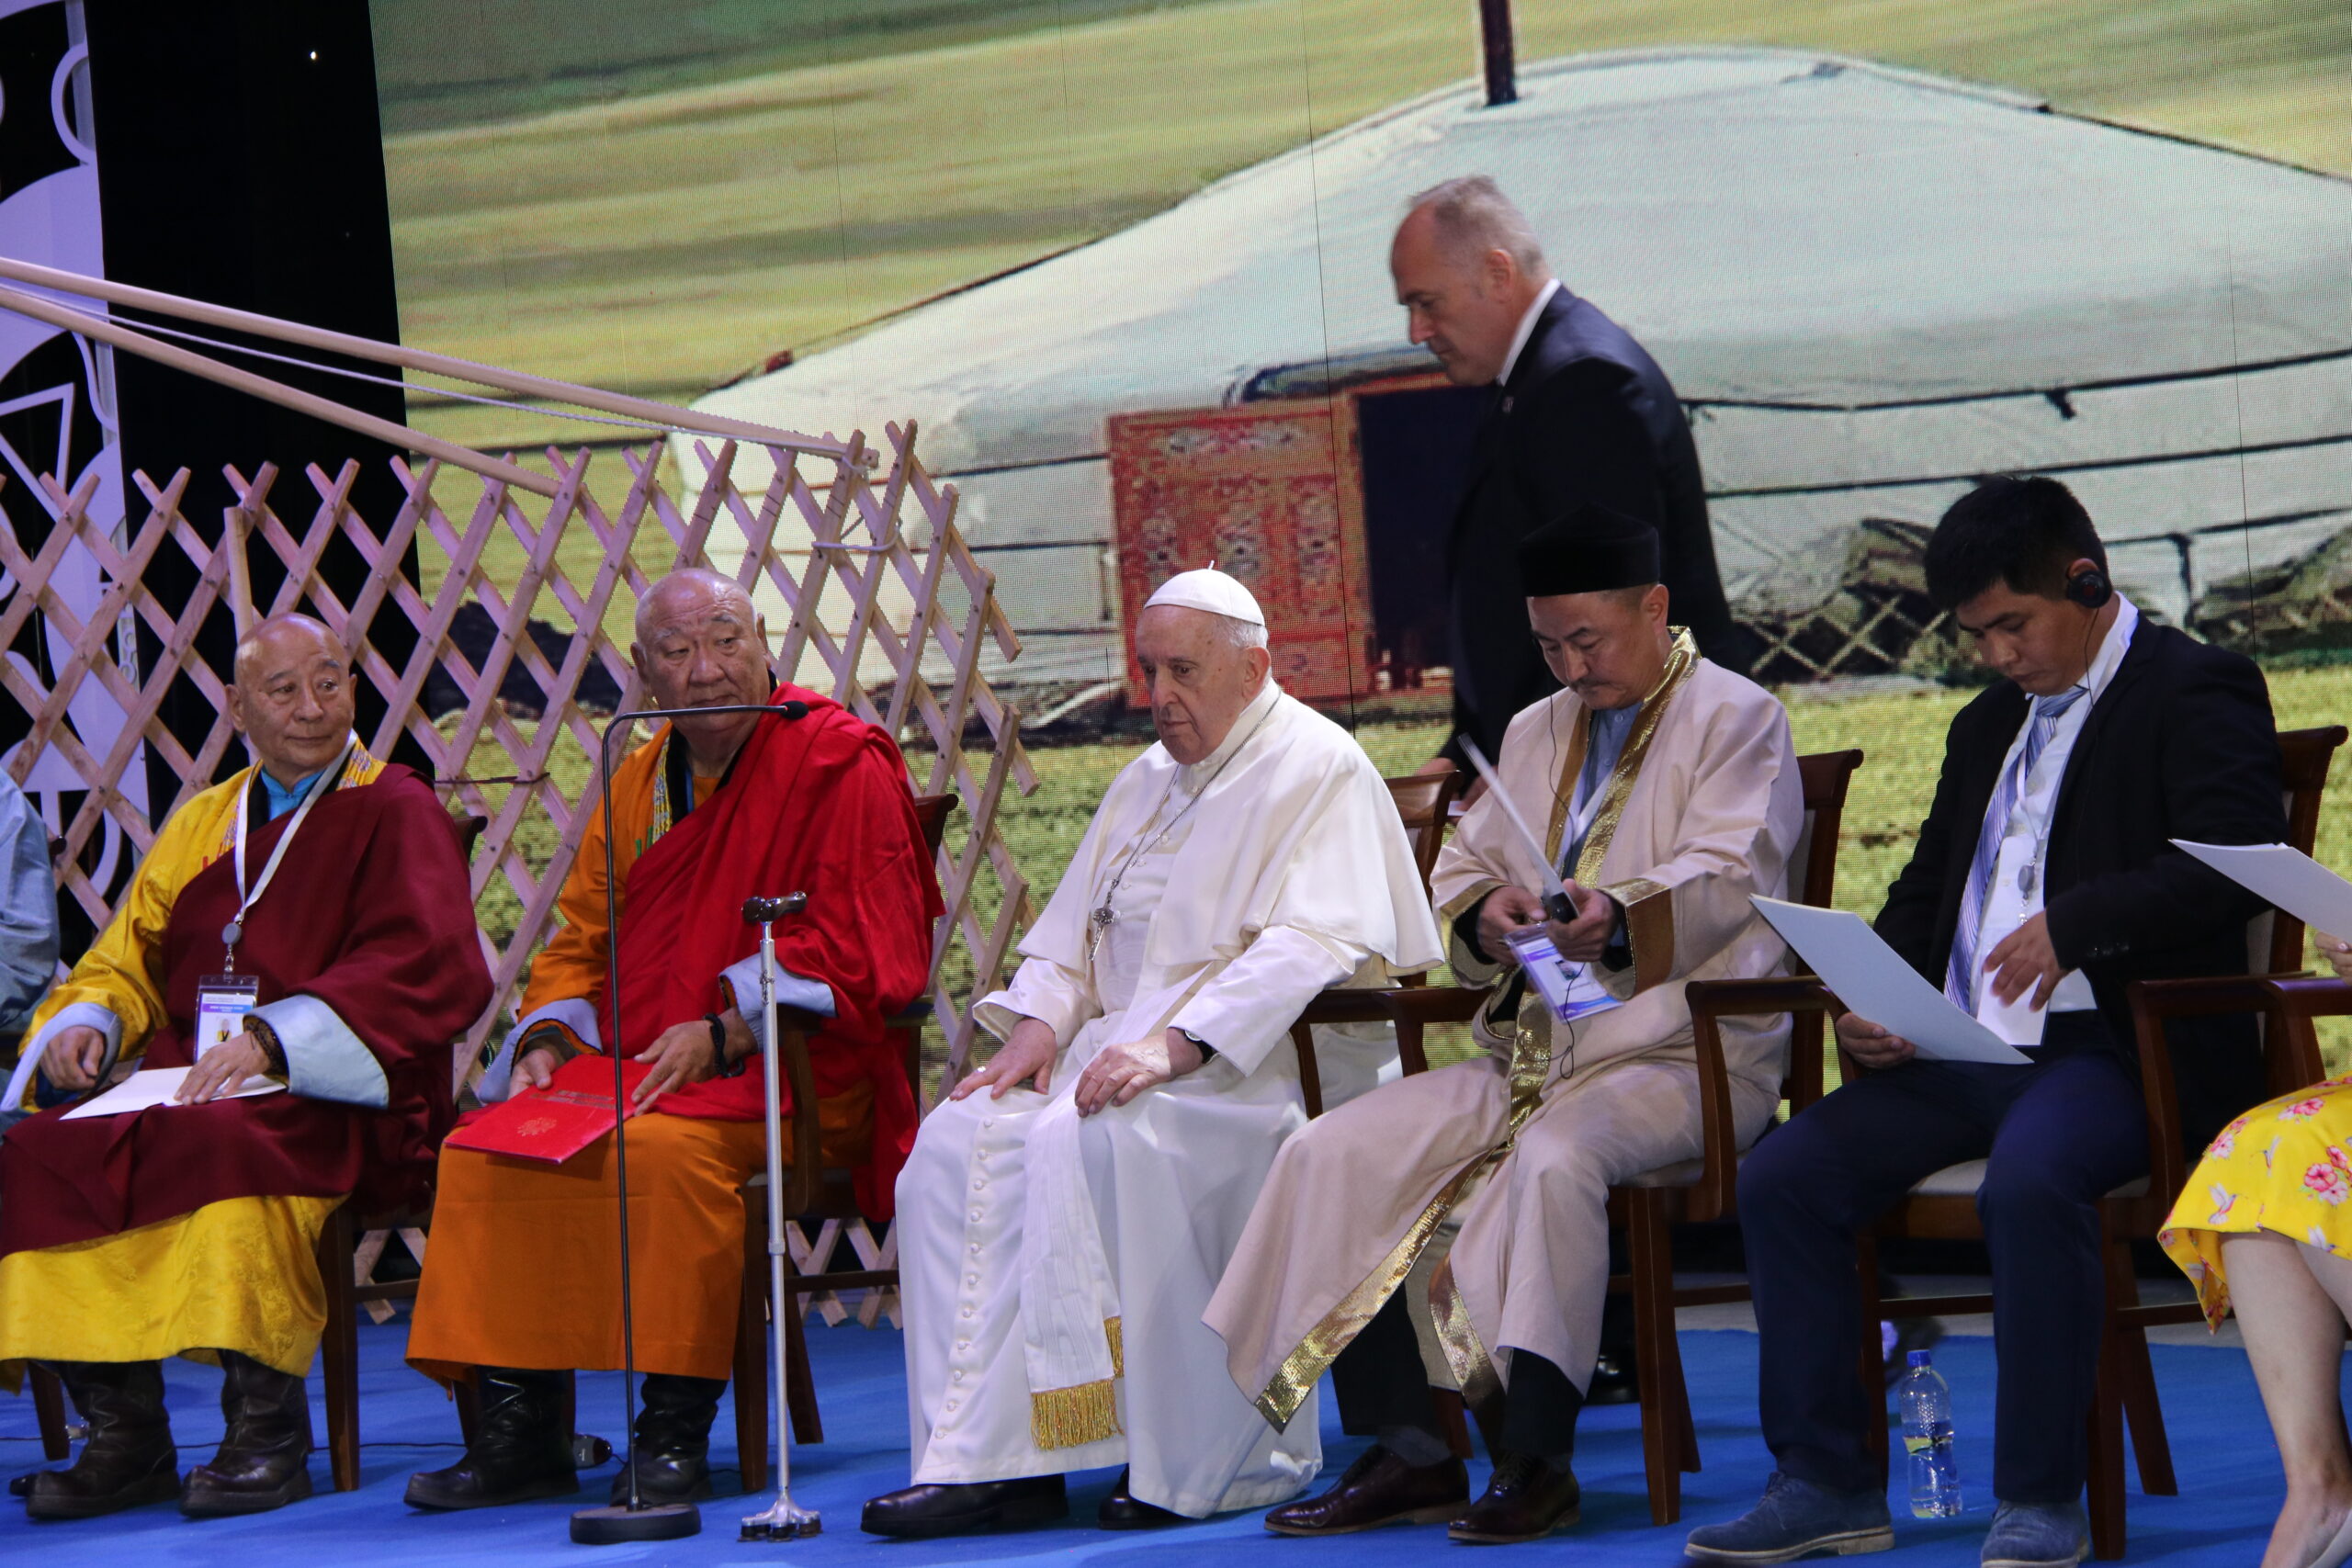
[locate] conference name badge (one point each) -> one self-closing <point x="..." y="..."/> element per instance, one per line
<point x="1564" y="987"/>
<point x="222" y="1003"/>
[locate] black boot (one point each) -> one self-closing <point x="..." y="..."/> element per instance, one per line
<point x="673" y="1439"/>
<point x="520" y="1450"/>
<point x="263" y="1460"/>
<point x="128" y="1460"/>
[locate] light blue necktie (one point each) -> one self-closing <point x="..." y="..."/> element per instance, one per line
<point x="1960" y="978"/>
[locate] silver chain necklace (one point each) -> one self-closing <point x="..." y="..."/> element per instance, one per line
<point x="1100" y="919"/>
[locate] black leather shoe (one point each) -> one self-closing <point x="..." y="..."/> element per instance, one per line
<point x="1121" y="1510"/>
<point x="1378" y="1489"/>
<point x="263" y="1460"/>
<point x="129" y="1461"/>
<point x="1527" y="1499"/>
<point x="917" y="1513"/>
<point x="520" y="1451"/>
<point x="1613" y="1382"/>
<point x="673" y="1439"/>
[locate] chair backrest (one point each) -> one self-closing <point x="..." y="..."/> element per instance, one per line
<point x="1422" y="802"/>
<point x="1825" y="777"/>
<point x="1812" y="865"/>
<point x="932" y="811"/>
<point x="2274" y="939"/>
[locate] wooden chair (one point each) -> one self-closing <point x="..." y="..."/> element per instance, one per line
<point x="1706" y="1189"/>
<point x="1424" y="802"/>
<point x="1944" y="1205"/>
<point x="814" y="1192"/>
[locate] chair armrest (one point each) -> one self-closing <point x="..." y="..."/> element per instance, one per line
<point x="1415" y="1009"/>
<point x="1353" y="1004"/>
<point x="2290" y="1046"/>
<point x="2155" y="1001"/>
<point x="1426" y="1005"/>
<point x="2308" y="996"/>
<point x="1712" y="1002"/>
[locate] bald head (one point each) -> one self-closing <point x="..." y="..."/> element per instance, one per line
<point x="701" y="644"/>
<point x="690" y="592"/>
<point x="283" y="637"/>
<point x="292" y="697"/>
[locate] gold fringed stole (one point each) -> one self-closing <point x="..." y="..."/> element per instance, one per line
<point x="1530" y="1067"/>
<point x="1072" y="1418"/>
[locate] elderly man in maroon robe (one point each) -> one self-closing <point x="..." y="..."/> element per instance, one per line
<point x="304" y="927"/>
<point x="522" y="1280"/>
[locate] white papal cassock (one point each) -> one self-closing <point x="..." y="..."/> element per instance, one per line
<point x="1054" y="1267"/>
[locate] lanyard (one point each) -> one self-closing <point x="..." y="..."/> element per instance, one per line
<point x="234" y="931"/>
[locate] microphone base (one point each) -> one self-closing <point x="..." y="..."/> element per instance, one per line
<point x="620" y="1524"/>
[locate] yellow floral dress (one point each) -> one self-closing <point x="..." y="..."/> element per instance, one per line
<point x="2284" y="1167"/>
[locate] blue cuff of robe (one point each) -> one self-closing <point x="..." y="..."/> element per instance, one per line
<point x="742" y="979"/>
<point x="323" y="1059"/>
<point x="82" y="1015"/>
<point x="572" y="1012"/>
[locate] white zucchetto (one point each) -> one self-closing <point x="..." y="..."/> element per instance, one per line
<point x="1210" y="589"/>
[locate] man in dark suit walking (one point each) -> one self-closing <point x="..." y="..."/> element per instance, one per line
<point x="2043" y="883"/>
<point x="1580" y="414"/>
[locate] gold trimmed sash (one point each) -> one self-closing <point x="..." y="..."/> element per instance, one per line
<point x="1531" y="1068"/>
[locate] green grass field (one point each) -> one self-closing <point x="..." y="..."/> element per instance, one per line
<point x="657" y="209"/>
<point x="1902" y="736"/>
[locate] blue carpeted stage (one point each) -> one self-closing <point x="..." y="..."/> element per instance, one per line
<point x="2230" y="1482"/>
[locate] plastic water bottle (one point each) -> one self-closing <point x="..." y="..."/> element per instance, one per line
<point x="1924" y="1400"/>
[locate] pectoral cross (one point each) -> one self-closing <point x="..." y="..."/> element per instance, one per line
<point x="1098" y="926"/>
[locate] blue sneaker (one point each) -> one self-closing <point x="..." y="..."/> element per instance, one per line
<point x="1796" y="1518"/>
<point x="2038" y="1535"/>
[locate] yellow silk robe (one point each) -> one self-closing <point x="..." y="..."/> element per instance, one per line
<point x="157" y="1291"/>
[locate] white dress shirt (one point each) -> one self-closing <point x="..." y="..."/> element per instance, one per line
<point x="2008" y="904"/>
<point x="1526" y="329"/>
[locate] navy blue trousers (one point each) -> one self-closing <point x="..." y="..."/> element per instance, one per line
<point x="2057" y="1136"/>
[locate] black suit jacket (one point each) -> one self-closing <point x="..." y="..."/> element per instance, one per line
<point x="2181" y="745"/>
<point x="1586" y="415"/>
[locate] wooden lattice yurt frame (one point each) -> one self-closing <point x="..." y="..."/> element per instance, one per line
<point x="860" y="544"/>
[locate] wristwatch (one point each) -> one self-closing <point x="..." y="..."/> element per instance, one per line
<point x="1207" y="1051"/>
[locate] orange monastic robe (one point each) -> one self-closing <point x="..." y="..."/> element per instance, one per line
<point x="525" y="1263"/>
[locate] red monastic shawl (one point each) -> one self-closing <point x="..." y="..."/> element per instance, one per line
<point x="818" y="806"/>
<point x="370" y="913"/>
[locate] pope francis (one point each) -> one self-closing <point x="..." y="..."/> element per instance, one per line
<point x="1671" y="795"/>
<point x="1066" y="1212"/>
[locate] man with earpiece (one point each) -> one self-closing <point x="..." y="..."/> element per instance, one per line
<point x="2043" y="883"/>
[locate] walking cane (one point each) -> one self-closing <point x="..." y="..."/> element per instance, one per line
<point x="781" y="1521"/>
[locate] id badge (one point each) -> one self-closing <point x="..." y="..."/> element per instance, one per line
<point x="222" y="1003"/>
<point x="1566" y="988"/>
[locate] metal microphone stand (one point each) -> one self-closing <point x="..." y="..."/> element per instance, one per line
<point x="637" y="1520"/>
<point x="781" y="1521"/>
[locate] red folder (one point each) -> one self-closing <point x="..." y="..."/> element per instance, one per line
<point x="554" y="1123"/>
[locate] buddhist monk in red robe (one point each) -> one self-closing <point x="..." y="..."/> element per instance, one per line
<point x="188" y="1228"/>
<point x="522" y="1281"/>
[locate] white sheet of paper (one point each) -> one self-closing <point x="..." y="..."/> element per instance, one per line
<point x="155" y="1086"/>
<point x="2285" y="877"/>
<point x="1872" y="978"/>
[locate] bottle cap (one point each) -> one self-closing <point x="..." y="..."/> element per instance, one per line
<point x="1921" y="1358"/>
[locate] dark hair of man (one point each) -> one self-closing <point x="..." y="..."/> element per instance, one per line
<point x="2021" y="532"/>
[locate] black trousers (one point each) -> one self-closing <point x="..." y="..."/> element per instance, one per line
<point x="2057" y="1135"/>
<point x="1379" y="1382"/>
